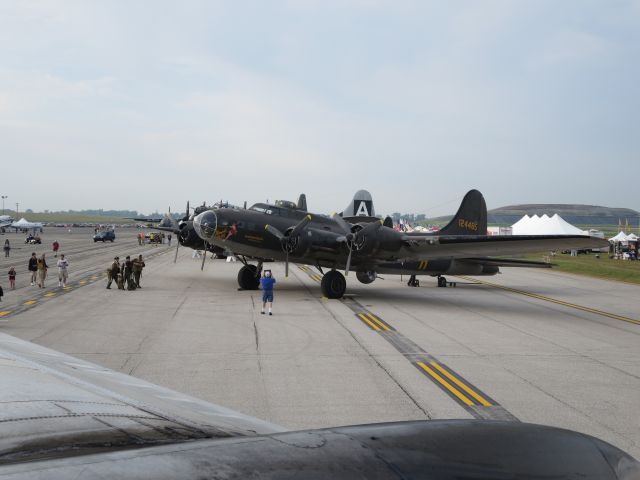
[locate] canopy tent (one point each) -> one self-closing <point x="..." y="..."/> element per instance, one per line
<point x="620" y="237"/>
<point x="545" y="225"/>
<point x="632" y="237"/>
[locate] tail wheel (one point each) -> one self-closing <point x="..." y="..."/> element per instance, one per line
<point x="333" y="284"/>
<point x="248" y="278"/>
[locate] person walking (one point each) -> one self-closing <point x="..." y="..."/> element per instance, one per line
<point x="55" y="247"/>
<point x="7" y="248"/>
<point x="138" y="265"/>
<point x="63" y="275"/>
<point x="112" y="272"/>
<point x="33" y="268"/>
<point x="127" y="271"/>
<point x="42" y="270"/>
<point x="266" y="283"/>
<point x="169" y="239"/>
<point x="12" y="278"/>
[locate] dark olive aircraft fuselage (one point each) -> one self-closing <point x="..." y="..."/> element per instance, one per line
<point x="243" y="231"/>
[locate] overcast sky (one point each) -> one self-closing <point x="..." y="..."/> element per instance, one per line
<point x="145" y="104"/>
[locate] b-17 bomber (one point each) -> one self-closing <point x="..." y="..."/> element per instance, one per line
<point x="358" y="241"/>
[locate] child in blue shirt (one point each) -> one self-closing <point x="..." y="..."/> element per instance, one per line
<point x="266" y="283"/>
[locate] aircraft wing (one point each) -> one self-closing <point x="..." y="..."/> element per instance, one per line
<point x="471" y="246"/>
<point x="54" y="406"/>
<point x="63" y="418"/>
<point x="508" y="262"/>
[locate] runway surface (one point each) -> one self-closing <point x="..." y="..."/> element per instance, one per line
<point x="528" y="345"/>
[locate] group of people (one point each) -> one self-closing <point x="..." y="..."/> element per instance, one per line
<point x="38" y="269"/>
<point x="154" y="237"/>
<point x="127" y="272"/>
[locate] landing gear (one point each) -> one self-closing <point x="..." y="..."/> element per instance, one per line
<point x="442" y="282"/>
<point x="333" y="284"/>
<point x="249" y="277"/>
<point x="413" y="281"/>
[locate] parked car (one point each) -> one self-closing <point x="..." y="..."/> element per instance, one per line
<point x="108" y="235"/>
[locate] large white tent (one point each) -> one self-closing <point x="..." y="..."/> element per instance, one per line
<point x="545" y="225"/>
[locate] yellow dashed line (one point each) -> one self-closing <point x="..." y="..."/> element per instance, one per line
<point x="82" y="282"/>
<point x="364" y="318"/>
<point x="556" y="301"/>
<point x="383" y="325"/>
<point x="464" y="399"/>
<point x="464" y="387"/>
<point x="50" y="294"/>
<point x="4" y="314"/>
<point x="30" y="302"/>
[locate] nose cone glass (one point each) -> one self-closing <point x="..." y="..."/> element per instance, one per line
<point x="205" y="225"/>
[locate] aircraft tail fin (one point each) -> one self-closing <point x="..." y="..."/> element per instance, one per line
<point x="471" y="218"/>
<point x="360" y="206"/>
<point x="302" y="202"/>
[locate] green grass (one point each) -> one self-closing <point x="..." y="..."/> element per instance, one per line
<point x="603" y="267"/>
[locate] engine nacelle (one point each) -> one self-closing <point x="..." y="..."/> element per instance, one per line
<point x="366" y="277"/>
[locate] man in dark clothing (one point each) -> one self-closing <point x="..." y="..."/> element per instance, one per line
<point x="113" y="272"/>
<point x="266" y="283"/>
<point x="138" y="265"/>
<point x="127" y="271"/>
<point x="33" y="268"/>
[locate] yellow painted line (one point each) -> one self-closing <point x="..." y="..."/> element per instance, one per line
<point x="82" y="282"/>
<point x="378" y="321"/>
<point x="460" y="384"/>
<point x="317" y="278"/>
<point x="30" y="302"/>
<point x="363" y="317"/>
<point x="4" y="314"/>
<point x="94" y="278"/>
<point x="558" y="302"/>
<point x="50" y="294"/>
<point x="446" y="384"/>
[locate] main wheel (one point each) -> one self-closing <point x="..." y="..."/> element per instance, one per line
<point x="333" y="284"/>
<point x="248" y="278"/>
<point x="442" y="282"/>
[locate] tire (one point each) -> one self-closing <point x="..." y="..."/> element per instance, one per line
<point x="333" y="284"/>
<point x="248" y="278"/>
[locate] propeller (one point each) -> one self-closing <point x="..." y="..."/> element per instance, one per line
<point x="287" y="240"/>
<point x="204" y="256"/>
<point x="353" y="239"/>
<point x="184" y="219"/>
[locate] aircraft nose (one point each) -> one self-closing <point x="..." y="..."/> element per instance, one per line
<point x="205" y="225"/>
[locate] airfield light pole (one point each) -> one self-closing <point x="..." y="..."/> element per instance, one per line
<point x="17" y="205"/>
<point x="3" y="197"/>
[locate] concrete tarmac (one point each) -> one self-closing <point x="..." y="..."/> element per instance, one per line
<point x="387" y="352"/>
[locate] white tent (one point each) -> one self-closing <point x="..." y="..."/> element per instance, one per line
<point x="620" y="237"/>
<point x="545" y="225"/>
<point x="25" y="224"/>
<point x="632" y="237"/>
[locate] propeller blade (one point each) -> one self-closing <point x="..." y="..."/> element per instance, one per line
<point x="175" y="258"/>
<point x="275" y="232"/>
<point x="344" y="225"/>
<point x="348" y="265"/>
<point x="300" y="226"/>
<point x="286" y="264"/>
<point x="204" y="256"/>
<point x="186" y="215"/>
